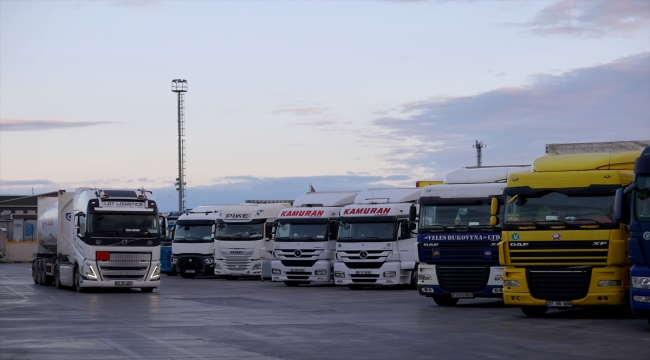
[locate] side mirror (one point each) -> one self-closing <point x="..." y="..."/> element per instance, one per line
<point x="405" y="231"/>
<point x="334" y="230"/>
<point x="268" y="230"/>
<point x="494" y="207"/>
<point x="214" y="230"/>
<point x="619" y="200"/>
<point x="494" y="220"/>
<point x="412" y="213"/>
<point x="412" y="225"/>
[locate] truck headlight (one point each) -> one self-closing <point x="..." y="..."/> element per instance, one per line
<point x="498" y="278"/>
<point x="339" y="274"/>
<point x="208" y="261"/>
<point x="217" y="266"/>
<point x="643" y="299"/>
<point x="424" y="277"/>
<point x="90" y="272"/>
<point x="390" y="273"/>
<point x="155" y="274"/>
<point x="604" y="283"/>
<point x="174" y="260"/>
<point x="511" y="283"/>
<point x="321" y="272"/>
<point x="641" y="282"/>
<point x="276" y="271"/>
<point x="257" y="267"/>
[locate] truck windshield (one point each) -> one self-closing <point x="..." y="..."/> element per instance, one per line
<point x="287" y="231"/>
<point x="366" y="231"/>
<point x="455" y="216"/>
<point x="239" y="231"/>
<point x="122" y="225"/>
<point x="193" y="233"/>
<point x="554" y="206"/>
<point x="642" y="197"/>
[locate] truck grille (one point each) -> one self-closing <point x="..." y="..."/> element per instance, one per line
<point x="364" y="265"/>
<point x="569" y="253"/>
<point x="463" y="278"/>
<point x="559" y="283"/>
<point x="132" y="266"/>
<point x="190" y="263"/>
<point x="300" y="263"/>
<point x="237" y="263"/>
<point x="459" y="251"/>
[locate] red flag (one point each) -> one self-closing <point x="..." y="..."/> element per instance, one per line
<point x="311" y="189"/>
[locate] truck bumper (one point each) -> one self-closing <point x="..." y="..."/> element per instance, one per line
<point x="192" y="264"/>
<point x="112" y="284"/>
<point x="429" y="284"/>
<point x="596" y="295"/>
<point x="303" y="274"/>
<point x="371" y="277"/>
<point x="640" y="298"/>
<point x="254" y="268"/>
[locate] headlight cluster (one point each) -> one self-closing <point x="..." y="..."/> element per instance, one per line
<point x="257" y="267"/>
<point x="174" y="260"/>
<point x="604" y="283"/>
<point x="641" y="282"/>
<point x="511" y="283"/>
<point x="155" y="274"/>
<point x="208" y="261"/>
<point x="217" y="266"/>
<point x="321" y="272"/>
<point x="390" y="273"/>
<point x="90" y="273"/>
<point x="643" y="299"/>
<point x="276" y="271"/>
<point x="424" y="277"/>
<point x="339" y="274"/>
<point x="498" y="278"/>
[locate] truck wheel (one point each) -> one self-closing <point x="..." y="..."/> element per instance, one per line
<point x="34" y="272"/>
<point x="147" y="290"/>
<point x="57" y="280"/>
<point x="445" y="300"/>
<point x="414" y="278"/>
<point x="76" y="281"/>
<point x="291" y="283"/>
<point x="355" y="287"/>
<point x="41" y="272"/>
<point x="534" y="311"/>
<point x="188" y="276"/>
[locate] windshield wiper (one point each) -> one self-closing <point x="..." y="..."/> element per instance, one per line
<point x="304" y="238"/>
<point x="371" y="237"/>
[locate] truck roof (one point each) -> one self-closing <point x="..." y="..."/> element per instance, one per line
<point x="483" y="175"/>
<point x="388" y="195"/>
<point x="248" y="211"/>
<point x="459" y="191"/>
<point x="325" y="199"/>
<point x="587" y="161"/>
<point x="596" y="147"/>
<point x="204" y="212"/>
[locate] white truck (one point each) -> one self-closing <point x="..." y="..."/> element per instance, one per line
<point x="375" y="245"/>
<point x="305" y="238"/>
<point x="243" y="237"/>
<point x="193" y="242"/>
<point x="98" y="238"/>
<point x="457" y="246"/>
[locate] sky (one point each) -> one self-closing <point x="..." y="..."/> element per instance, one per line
<point x="342" y="95"/>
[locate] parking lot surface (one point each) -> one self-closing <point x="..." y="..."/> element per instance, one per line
<point x="212" y="318"/>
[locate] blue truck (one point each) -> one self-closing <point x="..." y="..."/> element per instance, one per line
<point x="457" y="245"/>
<point x="168" y="220"/>
<point x="639" y="242"/>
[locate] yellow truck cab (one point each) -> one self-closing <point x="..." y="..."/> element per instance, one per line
<point x="563" y="245"/>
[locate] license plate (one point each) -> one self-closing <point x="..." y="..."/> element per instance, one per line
<point x="124" y="283"/>
<point x="190" y="271"/>
<point x="364" y="272"/>
<point x="236" y="274"/>
<point x="297" y="270"/>
<point x="463" y="295"/>
<point x="559" y="304"/>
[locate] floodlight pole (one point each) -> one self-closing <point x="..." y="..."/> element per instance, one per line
<point x="179" y="86"/>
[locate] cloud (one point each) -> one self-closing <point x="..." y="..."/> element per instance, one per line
<point x="593" y="18"/>
<point x="35" y="125"/>
<point x="320" y="123"/>
<point x="306" y="111"/>
<point x="602" y="103"/>
<point x="4" y="183"/>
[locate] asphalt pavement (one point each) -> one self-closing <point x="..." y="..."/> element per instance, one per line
<point x="212" y="318"/>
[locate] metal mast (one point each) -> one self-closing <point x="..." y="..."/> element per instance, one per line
<point x="179" y="86"/>
<point x="479" y="153"/>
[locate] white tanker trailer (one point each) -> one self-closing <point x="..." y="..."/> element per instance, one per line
<point x="98" y="238"/>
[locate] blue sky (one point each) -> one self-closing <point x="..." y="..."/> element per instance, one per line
<point x="340" y="94"/>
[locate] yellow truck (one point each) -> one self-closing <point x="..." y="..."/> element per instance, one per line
<point x="564" y="228"/>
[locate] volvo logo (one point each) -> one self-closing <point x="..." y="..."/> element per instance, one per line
<point x="363" y="254"/>
<point x="298" y="253"/>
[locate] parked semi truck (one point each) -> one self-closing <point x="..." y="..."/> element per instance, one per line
<point x="98" y="238"/>
<point x="639" y="243"/>
<point x="457" y="246"/>
<point x="305" y="238"/>
<point x="562" y="244"/>
<point x="193" y="242"/>
<point x="243" y="237"/>
<point x="375" y="245"/>
<point x="167" y="222"/>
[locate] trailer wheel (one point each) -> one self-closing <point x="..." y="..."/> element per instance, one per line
<point x="34" y="272"/>
<point x="534" y="311"/>
<point x="445" y="300"/>
<point x="76" y="280"/>
<point x="147" y="289"/>
<point x="57" y="281"/>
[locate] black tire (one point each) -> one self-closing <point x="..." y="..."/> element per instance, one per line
<point x="414" y="278"/>
<point x="147" y="289"/>
<point x="41" y="272"/>
<point x="57" y="280"/>
<point x="356" y="287"/>
<point x="534" y="311"/>
<point x="76" y="281"/>
<point x="188" y="276"/>
<point x="445" y="300"/>
<point x="291" y="283"/>
<point x="34" y="272"/>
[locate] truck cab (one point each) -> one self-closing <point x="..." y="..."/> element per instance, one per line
<point x="305" y="238"/>
<point x="193" y="242"/>
<point x="457" y="245"/>
<point x="639" y="242"/>
<point x="243" y="237"/>
<point x="375" y="245"/>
